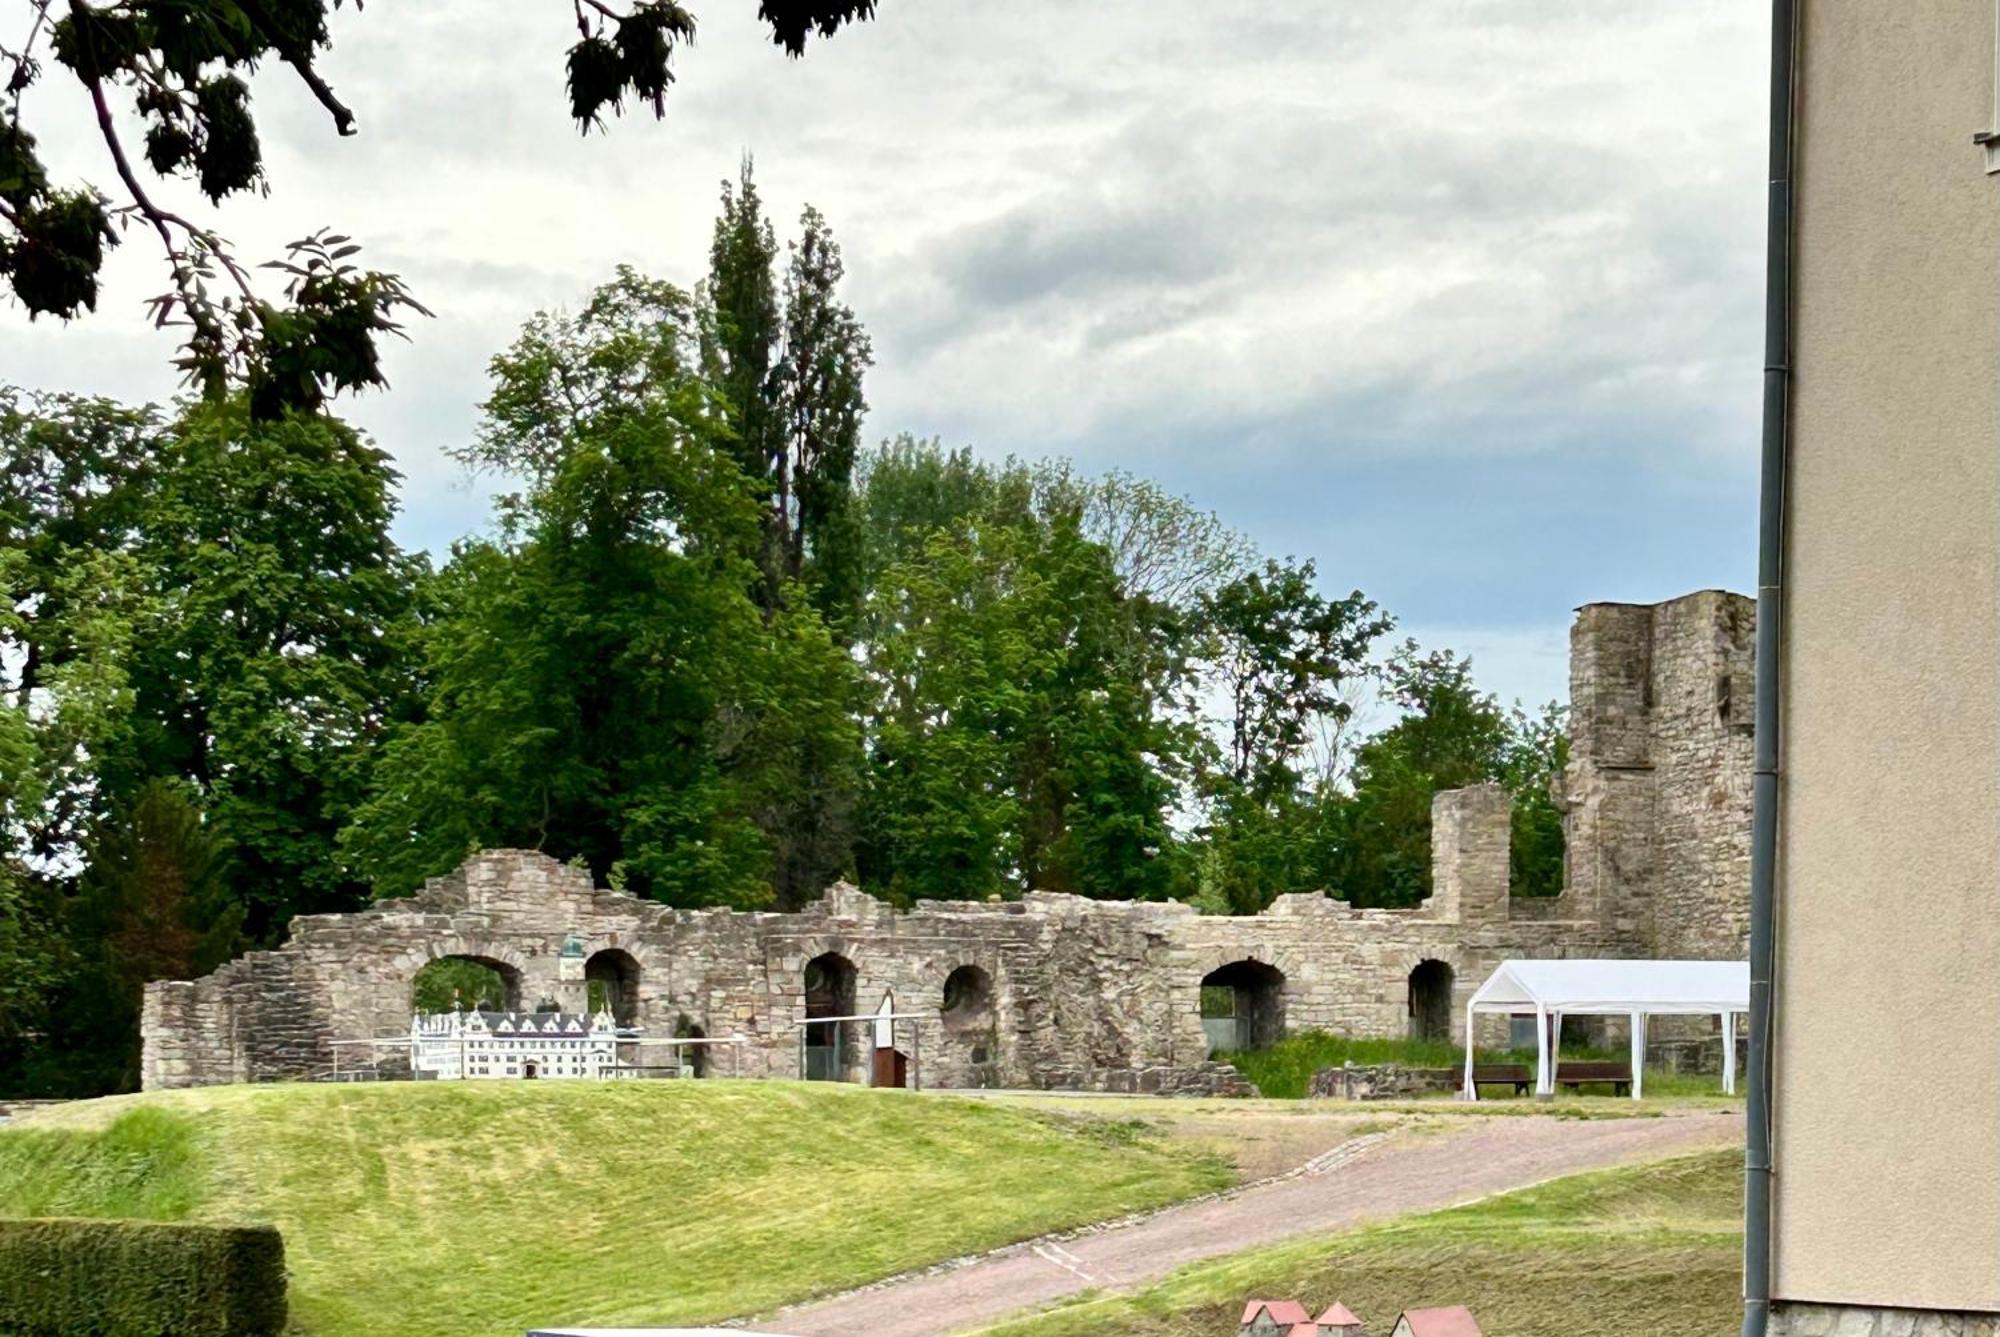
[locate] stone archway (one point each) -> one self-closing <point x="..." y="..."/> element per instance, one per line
<point x="1243" y="1005"/>
<point x="611" y="984"/>
<point x="829" y="1045"/>
<point x="968" y="1019"/>
<point x="694" y="1060"/>
<point x="968" y="999"/>
<point x="467" y="980"/>
<point x="1430" y="986"/>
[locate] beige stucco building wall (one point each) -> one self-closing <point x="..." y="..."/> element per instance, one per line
<point x="1887" y="1046"/>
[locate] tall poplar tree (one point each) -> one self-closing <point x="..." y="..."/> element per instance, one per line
<point x="788" y="358"/>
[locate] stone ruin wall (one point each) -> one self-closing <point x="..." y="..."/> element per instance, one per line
<point x="1657" y="793"/>
<point x="1083" y="994"/>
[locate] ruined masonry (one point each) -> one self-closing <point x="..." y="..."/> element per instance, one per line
<point x="1058" y="991"/>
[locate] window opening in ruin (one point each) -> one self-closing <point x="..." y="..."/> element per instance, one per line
<point x="612" y="985"/>
<point x="693" y="1058"/>
<point x="968" y="999"/>
<point x="1243" y="1006"/>
<point x="470" y="982"/>
<point x="829" y="982"/>
<point x="1430" y="1001"/>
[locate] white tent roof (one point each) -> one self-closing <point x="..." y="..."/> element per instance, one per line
<point x="1583" y="987"/>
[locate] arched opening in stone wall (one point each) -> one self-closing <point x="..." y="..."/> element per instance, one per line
<point x="829" y="982"/>
<point x="968" y="999"/>
<point x="967" y="1015"/>
<point x="611" y="984"/>
<point x="467" y="982"/>
<point x="1430" y="1001"/>
<point x="693" y="1058"/>
<point x="1243" y="1006"/>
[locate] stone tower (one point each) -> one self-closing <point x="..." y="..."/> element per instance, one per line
<point x="1657" y="793"/>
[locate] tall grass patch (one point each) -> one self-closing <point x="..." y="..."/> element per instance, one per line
<point x="146" y="1163"/>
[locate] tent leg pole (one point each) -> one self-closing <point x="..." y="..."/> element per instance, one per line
<point x="1471" y="1091"/>
<point x="1544" y="1075"/>
<point x="1638" y="1054"/>
<point x="1729" y="1053"/>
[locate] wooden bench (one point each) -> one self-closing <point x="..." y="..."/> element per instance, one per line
<point x="1573" y="1075"/>
<point x="1515" y="1075"/>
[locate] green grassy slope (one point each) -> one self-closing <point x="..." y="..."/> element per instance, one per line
<point x="449" y="1210"/>
<point x="1646" y="1249"/>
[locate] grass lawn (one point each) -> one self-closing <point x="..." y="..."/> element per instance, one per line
<point x="1284" y="1071"/>
<point x="1647" y="1249"/>
<point x="457" y="1209"/>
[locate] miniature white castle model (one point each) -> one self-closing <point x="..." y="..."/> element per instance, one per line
<point x="485" y="1044"/>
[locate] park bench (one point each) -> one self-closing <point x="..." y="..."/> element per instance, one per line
<point x="1618" y="1074"/>
<point x="1522" y="1078"/>
<point x="1515" y="1075"/>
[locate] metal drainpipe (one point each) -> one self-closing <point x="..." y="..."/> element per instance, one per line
<point x="1770" y="642"/>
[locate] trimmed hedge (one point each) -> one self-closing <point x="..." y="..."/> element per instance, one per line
<point x="102" y="1278"/>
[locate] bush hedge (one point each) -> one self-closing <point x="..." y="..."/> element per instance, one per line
<point x="103" y="1278"/>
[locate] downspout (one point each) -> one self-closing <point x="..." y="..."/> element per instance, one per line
<point x="1770" y="642"/>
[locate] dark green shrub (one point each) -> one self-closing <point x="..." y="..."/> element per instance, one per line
<point x="62" y="1277"/>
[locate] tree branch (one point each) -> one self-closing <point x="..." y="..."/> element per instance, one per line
<point x="18" y="81"/>
<point x="163" y="220"/>
<point x="343" y="118"/>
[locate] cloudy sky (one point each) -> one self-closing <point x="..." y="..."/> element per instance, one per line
<point x="1459" y="298"/>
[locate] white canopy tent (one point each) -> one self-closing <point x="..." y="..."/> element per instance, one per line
<point x="1634" y="989"/>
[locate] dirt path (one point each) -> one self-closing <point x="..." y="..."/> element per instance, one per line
<point x="1370" y="1179"/>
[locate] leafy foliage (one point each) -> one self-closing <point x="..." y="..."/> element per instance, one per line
<point x="601" y="683"/>
<point x="269" y="659"/>
<point x="789" y="358"/>
<point x="153" y="904"/>
<point x="1020" y="736"/>
<point x="454" y="982"/>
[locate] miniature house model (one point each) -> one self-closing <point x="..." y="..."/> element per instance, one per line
<point x="1451" y="1321"/>
<point x="484" y="1044"/>
<point x="1289" y="1318"/>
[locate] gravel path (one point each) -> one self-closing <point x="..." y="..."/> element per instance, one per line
<point x="1366" y="1180"/>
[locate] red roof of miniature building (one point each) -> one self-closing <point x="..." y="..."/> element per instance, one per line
<point x="1304" y="1330"/>
<point x="1451" y="1321"/>
<point x="1339" y="1316"/>
<point x="1288" y="1313"/>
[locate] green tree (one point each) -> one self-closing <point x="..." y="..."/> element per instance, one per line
<point x="1163" y="547"/>
<point x="153" y="903"/>
<point x="75" y="474"/>
<point x="786" y="363"/>
<point x="1018" y="737"/>
<point x="741" y="334"/>
<point x="270" y="651"/>
<point x="787" y="359"/>
<point x="1282" y="656"/>
<point x="1283" y="661"/>
<point x="1449" y="735"/>
<point x="601" y="683"/>
<point x="1537" y="752"/>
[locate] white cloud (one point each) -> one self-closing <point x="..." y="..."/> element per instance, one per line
<point x="1298" y="238"/>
